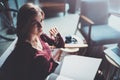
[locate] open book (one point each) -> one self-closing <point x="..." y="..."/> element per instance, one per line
<point x="77" y="68"/>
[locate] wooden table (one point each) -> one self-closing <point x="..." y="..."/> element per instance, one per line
<point x="72" y="47"/>
<point x="114" y="59"/>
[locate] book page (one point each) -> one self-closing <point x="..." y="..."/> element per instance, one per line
<point x="80" y="67"/>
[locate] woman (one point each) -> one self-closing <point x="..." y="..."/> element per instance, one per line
<point x="31" y="59"/>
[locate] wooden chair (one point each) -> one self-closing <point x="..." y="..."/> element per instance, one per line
<point x="94" y="25"/>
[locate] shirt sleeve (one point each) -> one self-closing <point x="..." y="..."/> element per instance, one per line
<point x="58" y="42"/>
<point x="43" y="67"/>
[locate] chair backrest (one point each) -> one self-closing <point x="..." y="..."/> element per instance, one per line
<point x="96" y="10"/>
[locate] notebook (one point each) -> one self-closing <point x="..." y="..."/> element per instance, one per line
<point x="114" y="54"/>
<point x="116" y="50"/>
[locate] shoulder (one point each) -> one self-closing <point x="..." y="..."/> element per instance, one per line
<point x="24" y="49"/>
<point x="24" y="46"/>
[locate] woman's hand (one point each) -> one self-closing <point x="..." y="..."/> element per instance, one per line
<point x="53" y="32"/>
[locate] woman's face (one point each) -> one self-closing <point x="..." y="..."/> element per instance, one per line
<point x="37" y="25"/>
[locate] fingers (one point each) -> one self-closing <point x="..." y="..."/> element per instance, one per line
<point x="53" y="31"/>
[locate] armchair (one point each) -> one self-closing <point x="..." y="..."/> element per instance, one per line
<point x="52" y="6"/>
<point x="94" y="26"/>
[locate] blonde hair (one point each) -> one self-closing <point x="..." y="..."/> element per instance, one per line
<point x="27" y="12"/>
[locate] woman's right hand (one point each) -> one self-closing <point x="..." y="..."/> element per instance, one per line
<point x="53" y="32"/>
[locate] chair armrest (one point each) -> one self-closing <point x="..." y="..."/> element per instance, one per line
<point x="90" y="23"/>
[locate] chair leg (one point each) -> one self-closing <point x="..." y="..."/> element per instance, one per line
<point x="64" y="13"/>
<point x="111" y="71"/>
<point x="116" y="75"/>
<point x="112" y="77"/>
<point x="75" y="31"/>
<point x="77" y="25"/>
